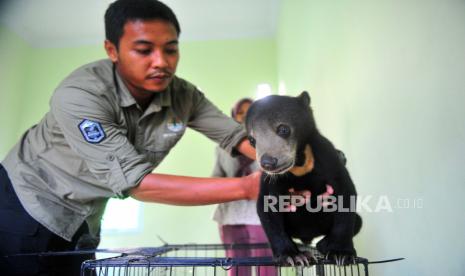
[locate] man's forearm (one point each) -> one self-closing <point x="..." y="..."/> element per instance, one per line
<point x="184" y="190"/>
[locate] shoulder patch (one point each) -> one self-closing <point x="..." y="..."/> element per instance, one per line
<point x="92" y="131"/>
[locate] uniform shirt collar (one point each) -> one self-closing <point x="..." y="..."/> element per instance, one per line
<point x="126" y="99"/>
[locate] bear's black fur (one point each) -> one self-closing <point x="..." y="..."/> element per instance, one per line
<point x="281" y="128"/>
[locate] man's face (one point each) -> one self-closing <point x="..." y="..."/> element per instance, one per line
<point x="147" y="56"/>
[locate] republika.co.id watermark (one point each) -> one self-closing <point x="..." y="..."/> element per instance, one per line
<point x="360" y="203"/>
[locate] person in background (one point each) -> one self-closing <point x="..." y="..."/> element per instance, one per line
<point x="238" y="220"/>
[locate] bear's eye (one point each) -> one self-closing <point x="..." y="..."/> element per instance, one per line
<point x="252" y="141"/>
<point x="283" y="131"/>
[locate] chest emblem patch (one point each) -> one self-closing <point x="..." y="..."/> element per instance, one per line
<point x="92" y="131"/>
<point x="175" y="125"/>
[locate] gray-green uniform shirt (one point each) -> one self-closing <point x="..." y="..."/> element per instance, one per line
<point x="96" y="143"/>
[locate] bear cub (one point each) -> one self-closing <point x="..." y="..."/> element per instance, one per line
<point x="294" y="155"/>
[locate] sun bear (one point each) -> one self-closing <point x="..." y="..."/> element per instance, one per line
<point x="294" y="155"/>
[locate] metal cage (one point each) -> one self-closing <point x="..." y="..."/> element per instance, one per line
<point x="210" y="259"/>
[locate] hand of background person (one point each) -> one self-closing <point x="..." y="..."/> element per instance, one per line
<point x="304" y="195"/>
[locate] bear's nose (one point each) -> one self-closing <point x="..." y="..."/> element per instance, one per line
<point x="268" y="162"/>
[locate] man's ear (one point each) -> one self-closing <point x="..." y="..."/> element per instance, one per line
<point x="304" y="97"/>
<point x="111" y="50"/>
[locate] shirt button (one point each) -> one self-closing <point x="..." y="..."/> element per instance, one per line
<point x="110" y="157"/>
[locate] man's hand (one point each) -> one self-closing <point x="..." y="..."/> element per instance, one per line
<point x="246" y="149"/>
<point x="251" y="184"/>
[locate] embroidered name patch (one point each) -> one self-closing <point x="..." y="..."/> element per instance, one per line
<point x="92" y="131"/>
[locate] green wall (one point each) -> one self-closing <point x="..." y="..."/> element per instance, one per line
<point x="14" y="56"/>
<point x="46" y="68"/>
<point x="387" y="87"/>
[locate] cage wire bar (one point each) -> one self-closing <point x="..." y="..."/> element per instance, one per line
<point x="210" y="259"/>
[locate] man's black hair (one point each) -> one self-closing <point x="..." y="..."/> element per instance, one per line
<point x="122" y="11"/>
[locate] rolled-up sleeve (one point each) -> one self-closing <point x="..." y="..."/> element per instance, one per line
<point x="110" y="157"/>
<point x="209" y="120"/>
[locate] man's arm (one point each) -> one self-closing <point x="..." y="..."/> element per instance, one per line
<point x="246" y="149"/>
<point x="185" y="190"/>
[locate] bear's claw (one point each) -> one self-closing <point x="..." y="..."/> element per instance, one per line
<point x="301" y="259"/>
<point x="341" y="260"/>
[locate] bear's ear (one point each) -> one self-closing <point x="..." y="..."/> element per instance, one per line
<point x="305" y="98"/>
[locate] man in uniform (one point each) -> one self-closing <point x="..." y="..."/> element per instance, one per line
<point x="110" y="124"/>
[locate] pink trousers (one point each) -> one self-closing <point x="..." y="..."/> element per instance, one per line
<point x="246" y="234"/>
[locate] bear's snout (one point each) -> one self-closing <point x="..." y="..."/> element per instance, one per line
<point x="268" y="163"/>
